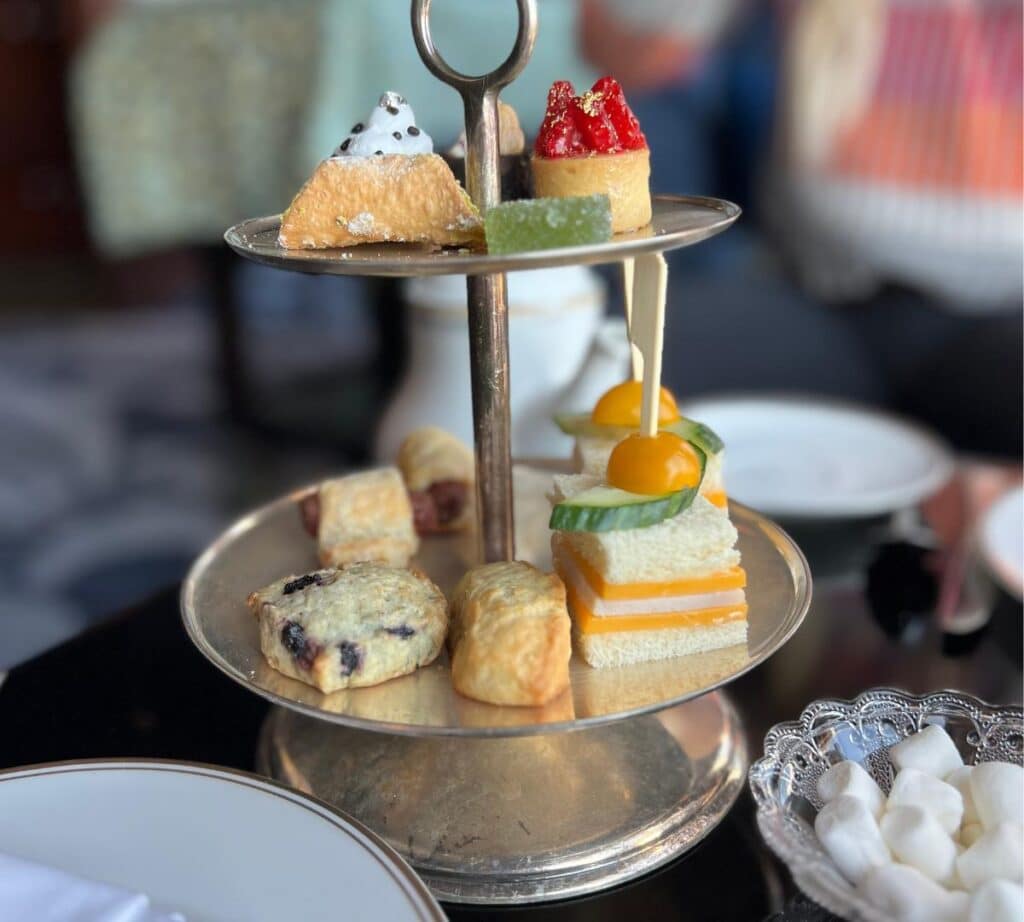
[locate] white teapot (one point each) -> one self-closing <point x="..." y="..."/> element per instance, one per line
<point x="564" y="354"/>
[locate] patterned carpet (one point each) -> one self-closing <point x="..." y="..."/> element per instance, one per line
<point x="116" y="463"/>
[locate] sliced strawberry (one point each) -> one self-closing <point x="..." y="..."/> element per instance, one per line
<point x="596" y="122"/>
<point x="613" y="102"/>
<point x="560" y="137"/>
<point x="560" y="96"/>
<point x="595" y="127"/>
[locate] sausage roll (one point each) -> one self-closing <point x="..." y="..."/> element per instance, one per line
<point x="438" y="471"/>
<point x="509" y="637"/>
<point x="365" y="516"/>
<point x="361" y="625"/>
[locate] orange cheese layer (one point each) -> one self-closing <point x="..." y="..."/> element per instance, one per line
<point x="589" y="623"/>
<point x="733" y="578"/>
<point x="717" y="498"/>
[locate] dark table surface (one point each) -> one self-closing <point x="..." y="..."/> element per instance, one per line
<point x="135" y="687"/>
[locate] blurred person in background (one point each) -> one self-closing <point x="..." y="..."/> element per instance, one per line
<point x="889" y="187"/>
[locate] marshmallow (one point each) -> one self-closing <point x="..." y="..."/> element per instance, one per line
<point x="849" y="778"/>
<point x="997" y="901"/>
<point x="960" y="778"/>
<point x="849" y="833"/>
<point x="998" y="789"/>
<point x="904" y="894"/>
<point x="917" y="838"/>
<point x="999" y="852"/>
<point x="943" y="801"/>
<point x="929" y="750"/>
<point x="970" y="833"/>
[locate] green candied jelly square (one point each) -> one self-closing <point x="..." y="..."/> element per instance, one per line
<point x="546" y="223"/>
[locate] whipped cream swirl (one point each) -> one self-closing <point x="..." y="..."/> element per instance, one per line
<point x="390" y="129"/>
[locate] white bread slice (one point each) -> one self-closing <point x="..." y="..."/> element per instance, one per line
<point x="700" y="541"/>
<point x="565" y="485"/>
<point x="620" y="648"/>
<point x="592" y="454"/>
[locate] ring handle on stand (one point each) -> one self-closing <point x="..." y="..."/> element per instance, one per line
<point x="479" y="95"/>
<point x="499" y="77"/>
<point x="487" y="295"/>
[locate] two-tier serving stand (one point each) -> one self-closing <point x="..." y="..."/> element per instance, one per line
<point x="499" y="804"/>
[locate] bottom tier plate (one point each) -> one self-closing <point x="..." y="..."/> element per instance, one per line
<point x="270" y="543"/>
<point x="525" y="819"/>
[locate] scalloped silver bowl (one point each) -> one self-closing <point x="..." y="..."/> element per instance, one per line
<point x="783" y="780"/>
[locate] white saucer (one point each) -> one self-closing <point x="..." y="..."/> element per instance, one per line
<point x="213" y="844"/>
<point x="809" y="459"/>
<point x="1002" y="540"/>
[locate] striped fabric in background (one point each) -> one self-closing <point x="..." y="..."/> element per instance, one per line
<point x="902" y="151"/>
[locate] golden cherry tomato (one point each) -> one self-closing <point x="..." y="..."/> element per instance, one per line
<point x="652" y="465"/>
<point x="620" y="406"/>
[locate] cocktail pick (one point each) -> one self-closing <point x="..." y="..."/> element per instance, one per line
<point x="647" y="329"/>
<point x="636" y="359"/>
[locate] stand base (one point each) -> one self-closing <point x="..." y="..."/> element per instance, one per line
<point x="525" y="819"/>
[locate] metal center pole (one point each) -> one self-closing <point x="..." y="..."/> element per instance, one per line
<point x="487" y="295"/>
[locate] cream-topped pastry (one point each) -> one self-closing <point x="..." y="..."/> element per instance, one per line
<point x="383" y="183"/>
<point x="390" y="129"/>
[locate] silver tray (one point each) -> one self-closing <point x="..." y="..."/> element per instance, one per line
<point x="270" y="543"/>
<point x="784" y="779"/>
<point x="678" y="221"/>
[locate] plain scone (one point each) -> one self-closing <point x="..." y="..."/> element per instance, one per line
<point x="510" y="635"/>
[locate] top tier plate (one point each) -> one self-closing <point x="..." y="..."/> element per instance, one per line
<point x="678" y="221"/>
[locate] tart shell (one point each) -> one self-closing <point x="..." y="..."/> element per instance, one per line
<point x="623" y="177"/>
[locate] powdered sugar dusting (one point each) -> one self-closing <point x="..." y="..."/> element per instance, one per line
<point x="361" y="225"/>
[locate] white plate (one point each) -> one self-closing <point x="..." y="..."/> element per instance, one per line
<point x="805" y="458"/>
<point x="1002" y="540"/>
<point x="214" y="844"/>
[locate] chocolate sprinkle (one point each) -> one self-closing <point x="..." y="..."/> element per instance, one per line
<point x="392" y="110"/>
<point x="413" y="130"/>
<point x="345" y="143"/>
<point x="357" y="127"/>
<point x="379" y="152"/>
<point x="397" y="135"/>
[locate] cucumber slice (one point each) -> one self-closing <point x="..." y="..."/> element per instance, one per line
<point x="696" y="433"/>
<point x="609" y="509"/>
<point x="582" y="424"/>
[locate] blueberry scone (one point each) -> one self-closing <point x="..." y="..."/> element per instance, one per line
<point x="510" y="637"/>
<point x="360" y="625"/>
<point x="362" y="517"/>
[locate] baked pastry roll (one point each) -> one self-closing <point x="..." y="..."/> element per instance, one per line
<point x="360" y="625"/>
<point x="438" y="471"/>
<point x="509" y="638"/>
<point x="364" y="516"/>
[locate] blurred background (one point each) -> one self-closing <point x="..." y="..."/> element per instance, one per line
<point x="153" y="385"/>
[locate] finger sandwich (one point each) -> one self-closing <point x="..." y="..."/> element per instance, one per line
<point x="667" y="589"/>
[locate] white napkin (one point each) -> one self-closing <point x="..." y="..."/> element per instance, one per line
<point x="31" y="892"/>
